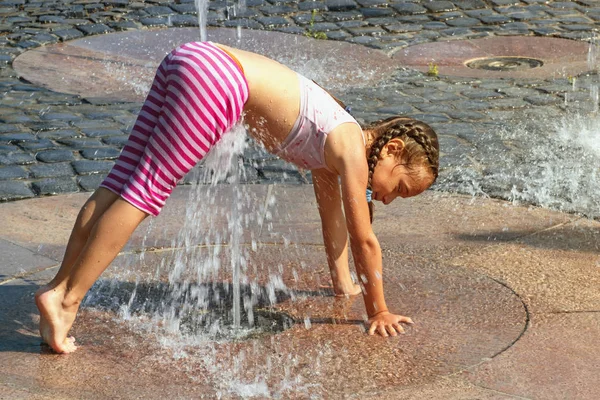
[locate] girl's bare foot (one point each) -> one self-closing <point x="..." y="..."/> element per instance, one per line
<point x="345" y="290"/>
<point x="55" y="319"/>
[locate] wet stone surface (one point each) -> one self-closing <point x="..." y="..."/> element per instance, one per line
<point x="301" y="331"/>
<point x="471" y="285"/>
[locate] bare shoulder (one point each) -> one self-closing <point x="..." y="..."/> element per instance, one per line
<point x="345" y="146"/>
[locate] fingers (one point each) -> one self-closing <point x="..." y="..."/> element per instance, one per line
<point x="390" y="326"/>
<point x="399" y="328"/>
<point x="372" y="328"/>
<point x="385" y="330"/>
<point x="391" y="330"/>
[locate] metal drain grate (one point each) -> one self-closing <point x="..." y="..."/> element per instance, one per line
<point x="504" y="63"/>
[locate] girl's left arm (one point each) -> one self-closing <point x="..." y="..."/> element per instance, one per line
<point x="367" y="257"/>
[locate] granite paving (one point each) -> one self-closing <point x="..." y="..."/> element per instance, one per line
<point x="472" y="114"/>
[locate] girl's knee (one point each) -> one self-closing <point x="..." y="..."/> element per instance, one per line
<point x="92" y="210"/>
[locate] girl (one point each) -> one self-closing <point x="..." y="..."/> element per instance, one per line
<point x="200" y="91"/>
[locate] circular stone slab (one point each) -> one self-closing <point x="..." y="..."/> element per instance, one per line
<point x="120" y="66"/>
<point x="461" y="318"/>
<point x="560" y="57"/>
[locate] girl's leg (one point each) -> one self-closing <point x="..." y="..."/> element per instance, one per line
<point x="112" y="186"/>
<point x="58" y="305"/>
<point x="198" y="102"/>
<point x="91" y="211"/>
<point x="55" y="321"/>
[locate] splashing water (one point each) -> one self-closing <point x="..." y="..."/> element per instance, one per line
<point x="205" y="293"/>
<point x="552" y="165"/>
<point x="241" y="7"/>
<point x="131" y="76"/>
<point x="197" y="301"/>
<point x="202" y="10"/>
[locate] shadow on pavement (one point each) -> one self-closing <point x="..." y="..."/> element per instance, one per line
<point x="583" y="239"/>
<point x="19" y="315"/>
<point x="19" y="319"/>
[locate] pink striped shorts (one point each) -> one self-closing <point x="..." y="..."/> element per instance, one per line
<point x="197" y="95"/>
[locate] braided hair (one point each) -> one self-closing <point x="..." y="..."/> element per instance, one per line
<point x="419" y="138"/>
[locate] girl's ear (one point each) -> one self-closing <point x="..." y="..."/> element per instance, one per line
<point x="394" y="148"/>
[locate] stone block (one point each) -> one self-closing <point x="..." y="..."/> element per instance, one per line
<point x="9" y="128"/>
<point x="311" y="5"/>
<point x="277" y="10"/>
<point x="94" y="29"/>
<point x="100" y="153"/>
<point x="17" y="137"/>
<point x="90" y="183"/>
<point x="80" y="142"/>
<point x="400" y="28"/>
<point x="325" y="27"/>
<point x="271" y="22"/>
<point x="431" y="117"/>
<point x="37" y="145"/>
<point x="367" y="31"/>
<point x="184" y="8"/>
<point x="341" y="5"/>
<point x="470" y="4"/>
<point x="409" y="8"/>
<point x="52" y="156"/>
<point x="54" y="116"/>
<point x="463" y="22"/>
<point x="13" y="172"/>
<point x="456" y="32"/>
<point x="19" y="158"/>
<point x="94" y="133"/>
<point x="123" y="25"/>
<point x="376" y="12"/>
<point x="495" y="19"/>
<point x="543" y="100"/>
<point x="158" y="11"/>
<point x="55" y="186"/>
<point x="14" y="190"/>
<point x="85" y="167"/>
<point x="338" y="35"/>
<point x="51" y="170"/>
<point x="342" y="16"/>
<point x="184" y="20"/>
<point x="155" y="21"/>
<point x="244" y="23"/>
<point x="58" y="134"/>
<point x="439" y="6"/>
<point x="118" y="141"/>
<point x="481" y="94"/>
<point x="68" y="34"/>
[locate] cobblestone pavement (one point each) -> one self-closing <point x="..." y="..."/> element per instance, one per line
<point x="53" y="143"/>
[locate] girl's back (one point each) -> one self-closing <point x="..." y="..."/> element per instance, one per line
<point x="274" y="100"/>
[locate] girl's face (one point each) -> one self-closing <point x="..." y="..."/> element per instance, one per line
<point x="392" y="179"/>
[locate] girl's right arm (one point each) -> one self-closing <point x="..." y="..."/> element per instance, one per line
<point x="335" y="234"/>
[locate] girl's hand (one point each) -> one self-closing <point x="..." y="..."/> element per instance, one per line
<point x="387" y="324"/>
